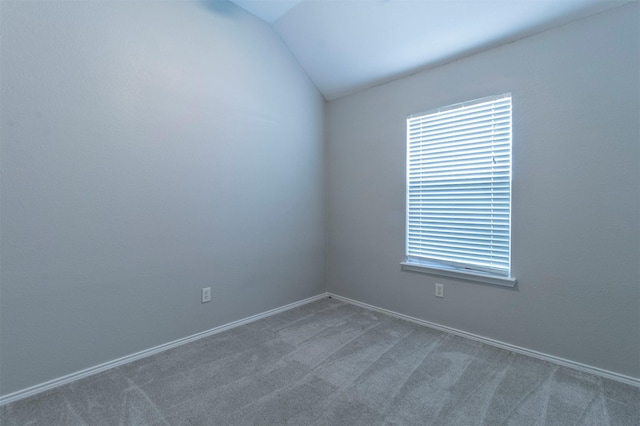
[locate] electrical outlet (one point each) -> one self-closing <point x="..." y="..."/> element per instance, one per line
<point x="206" y="294"/>
<point x="439" y="290"/>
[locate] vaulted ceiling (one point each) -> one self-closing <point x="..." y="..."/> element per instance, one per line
<point x="348" y="45"/>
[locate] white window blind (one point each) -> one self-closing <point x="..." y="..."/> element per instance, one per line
<point x="459" y="186"/>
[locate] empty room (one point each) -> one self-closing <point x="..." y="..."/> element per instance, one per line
<point x="320" y="212"/>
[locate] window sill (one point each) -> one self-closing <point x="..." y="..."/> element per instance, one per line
<point x="459" y="274"/>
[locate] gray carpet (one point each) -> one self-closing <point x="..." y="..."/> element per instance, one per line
<point x="331" y="363"/>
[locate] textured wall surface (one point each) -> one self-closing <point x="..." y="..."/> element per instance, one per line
<point x="575" y="211"/>
<point x="149" y="149"/>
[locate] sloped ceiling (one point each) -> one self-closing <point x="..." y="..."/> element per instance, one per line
<point x="349" y="45"/>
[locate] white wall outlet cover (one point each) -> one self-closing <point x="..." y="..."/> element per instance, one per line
<point x="206" y="294"/>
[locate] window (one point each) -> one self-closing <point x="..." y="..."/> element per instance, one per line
<point x="459" y="191"/>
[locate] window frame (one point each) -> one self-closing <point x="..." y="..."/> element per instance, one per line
<point x="452" y="269"/>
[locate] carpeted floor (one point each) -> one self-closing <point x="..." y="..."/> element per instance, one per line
<point x="331" y="363"/>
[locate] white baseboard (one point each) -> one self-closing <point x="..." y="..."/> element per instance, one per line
<point x="42" y="387"/>
<point x="513" y="348"/>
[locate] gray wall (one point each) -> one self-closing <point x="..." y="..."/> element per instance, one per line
<point x="576" y="195"/>
<point x="149" y="149"/>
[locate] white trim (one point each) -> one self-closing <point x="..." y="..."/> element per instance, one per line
<point x="42" y="387"/>
<point x="502" y="345"/>
<point x="451" y="272"/>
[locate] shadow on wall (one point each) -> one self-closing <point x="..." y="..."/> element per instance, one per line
<point x="220" y="7"/>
